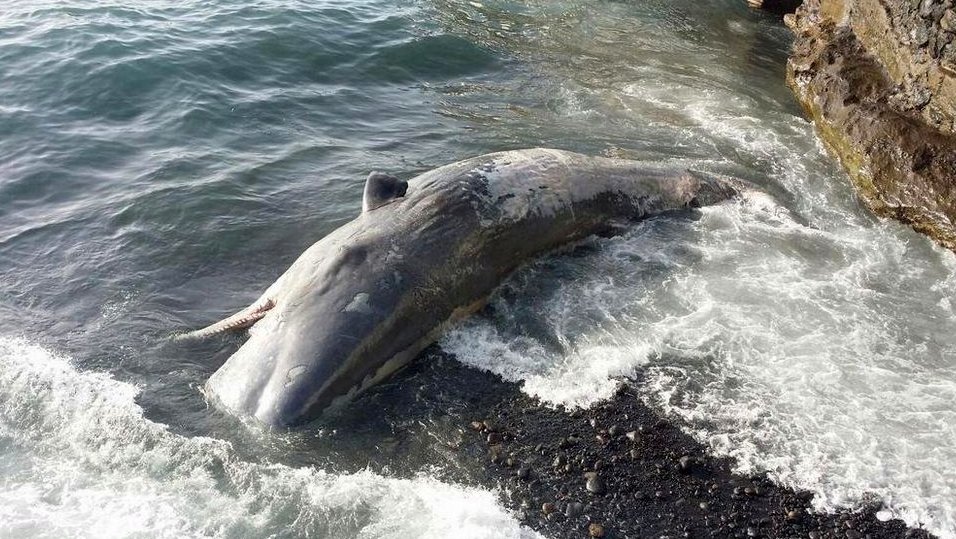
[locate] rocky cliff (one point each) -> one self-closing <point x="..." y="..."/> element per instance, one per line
<point x="878" y="77"/>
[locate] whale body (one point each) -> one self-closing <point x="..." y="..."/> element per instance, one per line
<point x="367" y="298"/>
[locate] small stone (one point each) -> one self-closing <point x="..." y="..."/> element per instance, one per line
<point x="632" y="436"/>
<point x="493" y="438"/>
<point x="705" y="506"/>
<point x="614" y="431"/>
<point x="948" y="21"/>
<point x="559" y="461"/>
<point x="595" y="530"/>
<point x="524" y="472"/>
<point x="814" y="535"/>
<point x="595" y="485"/>
<point x="919" y="35"/>
<point x="593" y="422"/>
<point x="685" y="463"/>
<point x="490" y="425"/>
<point x="567" y="442"/>
<point x="475" y="425"/>
<point x="547" y="508"/>
<point x="750" y="491"/>
<point x="573" y="509"/>
<point x="635" y="454"/>
<point x="598" y="464"/>
<point x="793" y="515"/>
<point x="510" y="462"/>
<point x="751" y="531"/>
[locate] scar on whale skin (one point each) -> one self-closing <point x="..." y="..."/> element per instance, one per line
<point x="294" y="373"/>
<point x="359" y="304"/>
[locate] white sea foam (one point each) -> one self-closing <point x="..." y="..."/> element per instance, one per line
<point x="78" y="459"/>
<point x="816" y="344"/>
<point x="822" y="376"/>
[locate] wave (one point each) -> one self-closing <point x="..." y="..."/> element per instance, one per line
<point x="80" y="460"/>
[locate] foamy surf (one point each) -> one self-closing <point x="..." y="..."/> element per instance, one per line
<point x="814" y="342"/>
<point x="824" y="361"/>
<point x="80" y="460"/>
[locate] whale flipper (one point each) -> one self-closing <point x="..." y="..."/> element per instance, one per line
<point x="380" y="189"/>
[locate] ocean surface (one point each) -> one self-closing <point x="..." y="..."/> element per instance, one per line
<point x="162" y="162"/>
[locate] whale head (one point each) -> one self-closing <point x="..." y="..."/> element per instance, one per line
<point x="339" y="305"/>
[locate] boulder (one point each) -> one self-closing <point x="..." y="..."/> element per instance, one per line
<point x="878" y="78"/>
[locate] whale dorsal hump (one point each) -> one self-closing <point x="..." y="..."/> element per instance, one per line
<point x="380" y="189"/>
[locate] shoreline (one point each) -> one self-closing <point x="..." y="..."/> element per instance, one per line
<point x="620" y="470"/>
<point x="652" y="479"/>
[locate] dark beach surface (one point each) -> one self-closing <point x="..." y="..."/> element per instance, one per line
<point x="618" y="469"/>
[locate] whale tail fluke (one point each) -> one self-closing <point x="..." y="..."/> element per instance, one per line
<point x="241" y="320"/>
<point x="724" y="188"/>
<point x="714" y="188"/>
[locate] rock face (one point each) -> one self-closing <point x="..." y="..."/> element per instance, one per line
<point x="775" y="6"/>
<point x="878" y="77"/>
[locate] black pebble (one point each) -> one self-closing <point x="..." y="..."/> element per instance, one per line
<point x="573" y="509"/>
<point x="595" y="485"/>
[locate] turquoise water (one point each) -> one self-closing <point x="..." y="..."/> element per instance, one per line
<point x="162" y="162"/>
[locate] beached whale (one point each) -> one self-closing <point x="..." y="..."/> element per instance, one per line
<point x="366" y="299"/>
